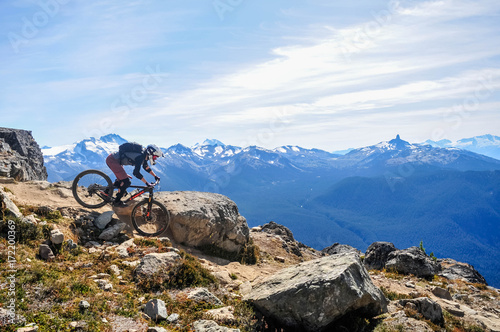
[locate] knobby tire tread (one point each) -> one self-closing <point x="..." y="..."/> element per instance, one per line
<point x="74" y="188"/>
<point x="165" y="224"/>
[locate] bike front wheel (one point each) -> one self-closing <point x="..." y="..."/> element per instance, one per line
<point x="92" y="188"/>
<point x="150" y="218"/>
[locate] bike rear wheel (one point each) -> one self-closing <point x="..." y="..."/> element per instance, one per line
<point x="150" y="218"/>
<point x="92" y="188"/>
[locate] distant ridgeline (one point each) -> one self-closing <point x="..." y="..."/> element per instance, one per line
<point x="393" y="191"/>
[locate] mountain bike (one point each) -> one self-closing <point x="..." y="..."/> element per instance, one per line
<point x="94" y="189"/>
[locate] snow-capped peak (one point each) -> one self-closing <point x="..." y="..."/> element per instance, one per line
<point x="209" y="142"/>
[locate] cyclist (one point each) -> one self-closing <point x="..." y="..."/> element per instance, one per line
<point x="132" y="154"/>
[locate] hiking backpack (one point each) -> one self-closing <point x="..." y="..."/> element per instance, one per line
<point x="128" y="152"/>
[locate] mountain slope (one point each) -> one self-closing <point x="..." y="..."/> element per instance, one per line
<point x="390" y="191"/>
<point x="487" y="145"/>
<point x="454" y="213"/>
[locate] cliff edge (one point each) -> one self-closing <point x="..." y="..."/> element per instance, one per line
<point x="20" y="156"/>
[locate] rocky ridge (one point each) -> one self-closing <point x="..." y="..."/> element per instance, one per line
<point x="20" y="156"/>
<point x="345" y="283"/>
<point x="74" y="269"/>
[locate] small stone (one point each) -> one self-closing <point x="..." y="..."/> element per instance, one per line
<point x="56" y="236"/>
<point x="442" y="293"/>
<point x="102" y="220"/>
<point x="114" y="269"/>
<point x="173" y="318"/>
<point x="156" y="309"/>
<point x="46" y="253"/>
<point x="279" y="259"/>
<point x="84" y="305"/>
<point x="156" y="329"/>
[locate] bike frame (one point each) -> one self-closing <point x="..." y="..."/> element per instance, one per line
<point x="141" y="192"/>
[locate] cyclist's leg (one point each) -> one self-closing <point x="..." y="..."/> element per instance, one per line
<point x="123" y="181"/>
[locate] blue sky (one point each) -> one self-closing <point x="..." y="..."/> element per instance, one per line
<point x="315" y="73"/>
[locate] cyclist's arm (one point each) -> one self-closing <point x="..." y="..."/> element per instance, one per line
<point x="140" y="160"/>
<point x="148" y="169"/>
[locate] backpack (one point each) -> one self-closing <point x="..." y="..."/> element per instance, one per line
<point x="128" y="152"/>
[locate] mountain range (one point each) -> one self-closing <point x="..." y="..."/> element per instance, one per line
<point x="392" y="191"/>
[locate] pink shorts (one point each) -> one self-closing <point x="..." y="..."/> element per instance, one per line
<point x="115" y="166"/>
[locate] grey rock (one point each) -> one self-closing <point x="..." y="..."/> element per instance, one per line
<point x="45" y="252"/>
<point x="277" y="229"/>
<point x="103" y="219"/>
<point x="201" y="294"/>
<point x="122" y="249"/>
<point x="314" y="294"/>
<point x="156" y="329"/>
<point x="78" y="326"/>
<point x="6" y="203"/>
<point x="112" y="231"/>
<point x="114" y="269"/>
<point x="56" y="236"/>
<point x="211" y="326"/>
<point x="430" y="309"/>
<point x="412" y="261"/>
<point x="156" y="309"/>
<point x="338" y="248"/>
<point x="33" y="328"/>
<point x="173" y="318"/>
<point x="84" y="305"/>
<point x="154" y="263"/>
<point x="453" y="270"/>
<point x="442" y="293"/>
<point x="377" y="254"/>
<point x="30" y="219"/>
<point x="289" y="243"/>
<point x="199" y="219"/>
<point x="20" y="156"/>
<point x="104" y="284"/>
<point x="70" y="245"/>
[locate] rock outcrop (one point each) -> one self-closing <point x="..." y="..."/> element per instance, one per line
<point x="452" y="270"/>
<point x="377" y="254"/>
<point x="412" y="261"/>
<point x="205" y="219"/>
<point x="285" y="234"/>
<point x="20" y="156"/>
<point x="199" y="219"/>
<point x="315" y="294"/>
<point x="338" y="248"/>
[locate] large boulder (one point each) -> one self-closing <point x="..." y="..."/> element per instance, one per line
<point x="412" y="261"/>
<point x="452" y="270"/>
<point x="377" y="254"/>
<point x="286" y="235"/>
<point x="430" y="309"/>
<point x="338" y="248"/>
<point x="313" y="295"/>
<point x="201" y="219"/>
<point x="20" y="156"/>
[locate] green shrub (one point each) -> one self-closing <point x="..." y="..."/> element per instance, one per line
<point x="24" y="232"/>
<point x="43" y="212"/>
<point x="247" y="255"/>
<point x="187" y="273"/>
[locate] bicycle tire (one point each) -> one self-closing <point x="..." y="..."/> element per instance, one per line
<point x="160" y="218"/>
<point x="87" y="183"/>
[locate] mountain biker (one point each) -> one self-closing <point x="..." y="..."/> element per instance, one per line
<point x="132" y="154"/>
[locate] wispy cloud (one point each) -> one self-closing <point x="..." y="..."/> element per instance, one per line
<point x="420" y="54"/>
<point x="404" y="61"/>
